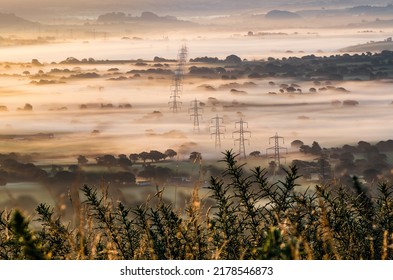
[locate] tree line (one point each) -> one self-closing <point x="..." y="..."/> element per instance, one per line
<point x="126" y="161"/>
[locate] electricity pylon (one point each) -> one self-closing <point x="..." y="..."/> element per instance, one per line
<point x="194" y="110"/>
<point x="181" y="62"/>
<point x="276" y="148"/>
<point x="177" y="80"/>
<point x="216" y="127"/>
<point x="182" y="57"/>
<point x="176" y="90"/>
<point x="241" y="139"/>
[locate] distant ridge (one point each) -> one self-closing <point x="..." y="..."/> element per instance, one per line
<point x="11" y="20"/>
<point x="386" y="45"/>
<point x="371" y="10"/>
<point x="365" y="10"/>
<point x="278" y="14"/>
<point x="145" y="16"/>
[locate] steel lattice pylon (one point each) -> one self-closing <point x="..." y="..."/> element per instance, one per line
<point x="176" y="90"/>
<point x="177" y="80"/>
<point x="276" y="148"/>
<point x="216" y="127"/>
<point x="194" y="110"/>
<point x="242" y="139"/>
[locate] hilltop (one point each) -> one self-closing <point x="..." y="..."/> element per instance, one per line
<point x="145" y="16"/>
<point x="386" y="45"/>
<point x="11" y="20"/>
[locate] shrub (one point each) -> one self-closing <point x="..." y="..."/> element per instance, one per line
<point x="250" y="218"/>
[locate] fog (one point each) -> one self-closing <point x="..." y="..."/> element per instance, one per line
<point x="95" y="130"/>
<point x="294" y="42"/>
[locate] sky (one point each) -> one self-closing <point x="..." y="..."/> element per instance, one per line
<point x="35" y="8"/>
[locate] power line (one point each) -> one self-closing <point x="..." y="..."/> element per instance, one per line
<point x="241" y="139"/>
<point x="217" y="125"/>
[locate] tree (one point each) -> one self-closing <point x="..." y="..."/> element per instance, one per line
<point x="144" y="156"/>
<point x="163" y="173"/>
<point x="324" y="167"/>
<point x="170" y="153"/>
<point x="349" y="148"/>
<point x="377" y="157"/>
<point x="305" y="149"/>
<point x="134" y="157"/>
<point x="346" y="164"/>
<point x="195" y="156"/>
<point x="55" y="169"/>
<point x="364" y="146"/>
<point x="290" y="89"/>
<point x="156" y="155"/>
<point x="255" y="154"/>
<point x="27" y="107"/>
<point x="124" y="177"/>
<point x="82" y="160"/>
<point x="35" y="62"/>
<point x="371" y="175"/>
<point x="64" y="177"/>
<point x="73" y="168"/>
<point x="315" y="148"/>
<point x="347" y="157"/>
<point x="385" y="146"/>
<point x="272" y="167"/>
<point x="233" y="59"/>
<point x="148" y="172"/>
<point x="296" y="144"/>
<point x="107" y="160"/>
<point x="124" y="162"/>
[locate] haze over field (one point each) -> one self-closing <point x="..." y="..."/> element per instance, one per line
<point x="56" y="109"/>
<point x="253" y="30"/>
<point x="113" y="36"/>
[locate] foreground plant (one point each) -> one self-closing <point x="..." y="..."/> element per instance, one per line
<point x="249" y="218"/>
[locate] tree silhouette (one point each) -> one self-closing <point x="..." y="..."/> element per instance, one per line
<point x="82" y="160"/>
<point x="195" y="156"/>
<point x="156" y="156"/>
<point x="107" y="160"/>
<point x="134" y="157"/>
<point x="124" y="162"/>
<point x="315" y="148"/>
<point x="171" y="153"/>
<point x="144" y="156"/>
<point x="255" y="154"/>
